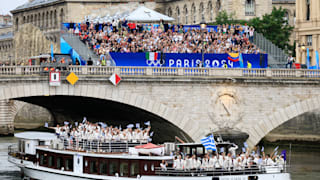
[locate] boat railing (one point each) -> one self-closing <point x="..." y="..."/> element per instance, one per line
<point x="222" y="172"/>
<point x="95" y="145"/>
<point x="13" y="150"/>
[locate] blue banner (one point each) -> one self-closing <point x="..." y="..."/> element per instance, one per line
<point x="188" y="60"/>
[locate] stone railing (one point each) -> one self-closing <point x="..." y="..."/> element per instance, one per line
<point x="167" y="71"/>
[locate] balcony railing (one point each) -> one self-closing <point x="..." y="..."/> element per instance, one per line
<point x="164" y="72"/>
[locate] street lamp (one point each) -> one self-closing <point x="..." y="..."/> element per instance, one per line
<point x="203" y="26"/>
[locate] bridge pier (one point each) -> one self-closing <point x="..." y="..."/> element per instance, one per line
<point x="6" y="117"/>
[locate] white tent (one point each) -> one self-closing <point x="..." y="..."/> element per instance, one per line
<point x="143" y="14"/>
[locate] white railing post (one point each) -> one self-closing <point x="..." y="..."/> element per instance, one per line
<point x="298" y="73"/>
<point x="269" y="73"/>
<point x="149" y="71"/>
<point x="18" y="70"/>
<point x="180" y="71"/>
<point x="84" y="70"/>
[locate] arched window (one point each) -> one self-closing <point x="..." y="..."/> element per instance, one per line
<point x="55" y="19"/>
<point x="17" y="24"/>
<point x="31" y="19"/>
<point x="61" y="16"/>
<point x="47" y="20"/>
<point x="178" y="14"/>
<point x="169" y="13"/>
<point x="51" y="19"/>
<point x="286" y="16"/>
<point x="210" y="11"/>
<point x="218" y="5"/>
<point x="35" y="19"/>
<point x="193" y="13"/>
<point x="308" y="10"/>
<point x="201" y="11"/>
<point x="185" y="9"/>
<point x="250" y="8"/>
<point x="24" y="19"/>
<point x="43" y="19"/>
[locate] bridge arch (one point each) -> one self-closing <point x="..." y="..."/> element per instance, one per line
<point x="106" y="92"/>
<point x="280" y="116"/>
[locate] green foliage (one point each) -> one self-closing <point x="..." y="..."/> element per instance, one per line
<point x="224" y="18"/>
<point x="274" y="27"/>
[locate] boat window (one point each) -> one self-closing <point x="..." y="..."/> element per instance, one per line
<point x="93" y="167"/>
<point x="41" y="143"/>
<point x="152" y="167"/>
<point x="113" y="168"/>
<point x="43" y="160"/>
<point x="134" y="169"/>
<point x="124" y="169"/>
<point x="199" y="150"/>
<point x="69" y="164"/>
<point x="50" y="161"/>
<point x="103" y="167"/>
<point x="145" y="167"/>
<point x="59" y="163"/>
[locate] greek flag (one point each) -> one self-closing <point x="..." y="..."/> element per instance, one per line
<point x="209" y="143"/>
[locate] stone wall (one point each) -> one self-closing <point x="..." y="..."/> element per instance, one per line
<point x="30" y="41"/>
<point x="29" y="116"/>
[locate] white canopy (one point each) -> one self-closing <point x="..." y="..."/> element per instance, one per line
<point x="143" y="14"/>
<point x="36" y="136"/>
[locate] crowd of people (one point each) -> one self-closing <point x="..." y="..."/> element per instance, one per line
<point x="101" y="132"/>
<point x="225" y="161"/>
<point x="121" y="36"/>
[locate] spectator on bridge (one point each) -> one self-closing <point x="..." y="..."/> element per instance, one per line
<point x="290" y="61"/>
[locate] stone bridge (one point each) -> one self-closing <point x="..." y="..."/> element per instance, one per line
<point x="198" y="101"/>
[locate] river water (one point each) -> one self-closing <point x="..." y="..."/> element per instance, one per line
<point x="305" y="160"/>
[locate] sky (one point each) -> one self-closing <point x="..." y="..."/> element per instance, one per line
<point x="8" y="5"/>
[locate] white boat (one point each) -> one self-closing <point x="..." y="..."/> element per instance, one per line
<point x="44" y="156"/>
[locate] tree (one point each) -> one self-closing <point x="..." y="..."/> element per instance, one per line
<point x="224" y="18"/>
<point x="274" y="27"/>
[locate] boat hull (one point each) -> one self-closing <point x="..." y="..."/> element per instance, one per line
<point x="46" y="175"/>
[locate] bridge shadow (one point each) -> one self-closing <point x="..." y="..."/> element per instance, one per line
<point x="74" y="108"/>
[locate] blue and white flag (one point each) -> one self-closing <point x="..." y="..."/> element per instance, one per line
<point x="262" y="149"/>
<point x="209" y="143"/>
<point x="84" y="120"/>
<point x="130" y="126"/>
<point x="120" y="128"/>
<point x="244" y="149"/>
<point x="245" y="145"/>
<point x="66" y="123"/>
<point x="138" y="125"/>
<point x="222" y="149"/>
<point x="76" y="124"/>
<point x="46" y="124"/>
<point x="151" y="134"/>
<point x="275" y="149"/>
<point x="147" y="123"/>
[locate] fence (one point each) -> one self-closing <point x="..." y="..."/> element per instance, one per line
<point x="165" y="72"/>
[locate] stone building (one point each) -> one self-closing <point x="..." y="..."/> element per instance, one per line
<point x="307" y="29"/>
<point x="47" y="15"/>
<point x="194" y="11"/>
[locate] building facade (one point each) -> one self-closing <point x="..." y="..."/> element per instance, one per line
<point x="307" y="30"/>
<point x="195" y="11"/>
<point x="47" y="15"/>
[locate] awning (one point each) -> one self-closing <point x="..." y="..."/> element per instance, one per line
<point x="143" y="14"/>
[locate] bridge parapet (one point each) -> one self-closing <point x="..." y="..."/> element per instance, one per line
<point x="169" y="71"/>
